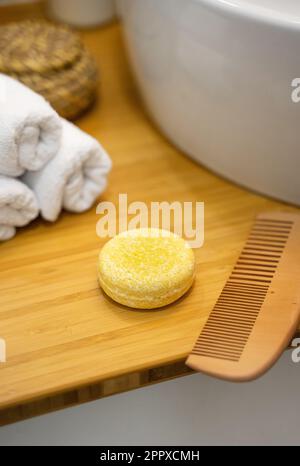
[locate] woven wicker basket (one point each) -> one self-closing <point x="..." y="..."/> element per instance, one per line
<point x="52" y="61"/>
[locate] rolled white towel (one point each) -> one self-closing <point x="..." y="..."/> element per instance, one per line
<point x="74" y="178"/>
<point x="30" y="130"/>
<point x="18" y="206"/>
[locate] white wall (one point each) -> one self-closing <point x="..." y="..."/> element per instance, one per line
<point x="196" y="410"/>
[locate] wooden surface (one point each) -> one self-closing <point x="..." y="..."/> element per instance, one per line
<point x="67" y="342"/>
<point x="236" y="343"/>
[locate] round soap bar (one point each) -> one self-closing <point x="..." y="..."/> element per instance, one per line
<point x="146" y="268"/>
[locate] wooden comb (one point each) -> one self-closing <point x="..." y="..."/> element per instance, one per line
<point x="258" y="311"/>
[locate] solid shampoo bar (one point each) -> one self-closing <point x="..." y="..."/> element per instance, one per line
<point x="146" y="268"/>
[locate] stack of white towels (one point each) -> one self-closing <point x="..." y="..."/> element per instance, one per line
<point x="46" y="163"/>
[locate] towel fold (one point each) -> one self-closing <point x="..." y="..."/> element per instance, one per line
<point x="18" y="206"/>
<point x="74" y="178"/>
<point x="30" y="130"/>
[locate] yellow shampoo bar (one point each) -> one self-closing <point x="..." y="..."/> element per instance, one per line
<point x="146" y="268"/>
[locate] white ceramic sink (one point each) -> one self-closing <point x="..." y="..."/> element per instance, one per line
<point x="216" y="76"/>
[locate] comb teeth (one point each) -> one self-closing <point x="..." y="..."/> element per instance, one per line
<point x="232" y="320"/>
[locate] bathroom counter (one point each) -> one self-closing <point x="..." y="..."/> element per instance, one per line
<point x="66" y="342"/>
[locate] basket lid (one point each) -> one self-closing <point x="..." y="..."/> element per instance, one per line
<point x="37" y="46"/>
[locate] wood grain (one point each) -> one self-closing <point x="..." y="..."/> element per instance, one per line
<point x="63" y="335"/>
